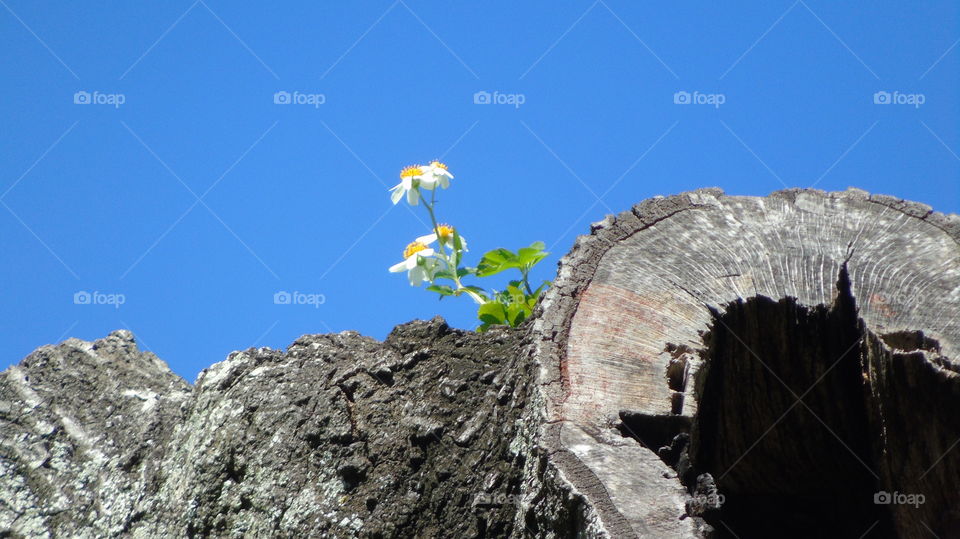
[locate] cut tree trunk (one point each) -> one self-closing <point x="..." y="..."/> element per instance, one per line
<point x="733" y="366"/>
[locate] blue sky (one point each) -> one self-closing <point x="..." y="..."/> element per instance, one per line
<point x="183" y="189"/>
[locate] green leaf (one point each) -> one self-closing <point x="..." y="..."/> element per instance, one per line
<point x="512" y="311"/>
<point x="503" y="296"/>
<point x="476" y="289"/>
<point x="530" y="256"/>
<point x="516" y="313"/>
<point x="498" y="260"/>
<point x="457" y="248"/>
<point x="535" y="295"/>
<point x="457" y="242"/>
<point x="492" y="312"/>
<point x="539" y="290"/>
<point x="516" y="295"/>
<point x="495" y="261"/>
<point x="526" y="253"/>
<point x="499" y="255"/>
<point x="441" y="289"/>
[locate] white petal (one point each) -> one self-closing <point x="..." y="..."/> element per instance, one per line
<point x="413" y="197"/>
<point x="426" y="252"/>
<point x="396" y="194"/>
<point x="407" y="183"/>
<point x="396" y="268"/>
<point x="444" y="182"/>
<point x="416" y="276"/>
<point x="428" y="239"/>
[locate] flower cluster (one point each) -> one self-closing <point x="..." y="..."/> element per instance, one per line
<point x="416" y="177"/>
<point x="419" y="258"/>
<point x="417" y="262"/>
<point x="436" y="256"/>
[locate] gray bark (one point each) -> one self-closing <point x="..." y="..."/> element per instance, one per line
<point x="339" y="436"/>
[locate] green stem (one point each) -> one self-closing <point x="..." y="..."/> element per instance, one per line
<point x="436" y="232"/>
<point x="443" y="251"/>
<point x="526" y="282"/>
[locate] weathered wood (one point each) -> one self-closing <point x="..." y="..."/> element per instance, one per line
<point x="794" y="318"/>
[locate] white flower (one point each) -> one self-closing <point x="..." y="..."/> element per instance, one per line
<point x="411" y="178"/>
<point x="445" y="237"/>
<point x="417" y="263"/>
<point x="436" y="173"/>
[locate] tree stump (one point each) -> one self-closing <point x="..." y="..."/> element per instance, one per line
<point x="731" y="366"/>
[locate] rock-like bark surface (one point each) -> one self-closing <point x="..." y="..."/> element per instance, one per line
<point x="705" y="366"/>
<point x="83" y="430"/>
<point x="338" y="436"/>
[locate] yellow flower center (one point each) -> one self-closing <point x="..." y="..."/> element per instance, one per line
<point x="438" y="164"/>
<point x="414" y="170"/>
<point x="444" y="231"/>
<point x="412" y="249"/>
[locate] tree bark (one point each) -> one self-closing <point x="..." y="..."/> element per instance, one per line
<point x="732" y="366"/>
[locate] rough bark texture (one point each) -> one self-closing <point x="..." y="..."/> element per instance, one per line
<point x="339" y="436"/>
<point x="705" y="366"/>
<point x="772" y="364"/>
